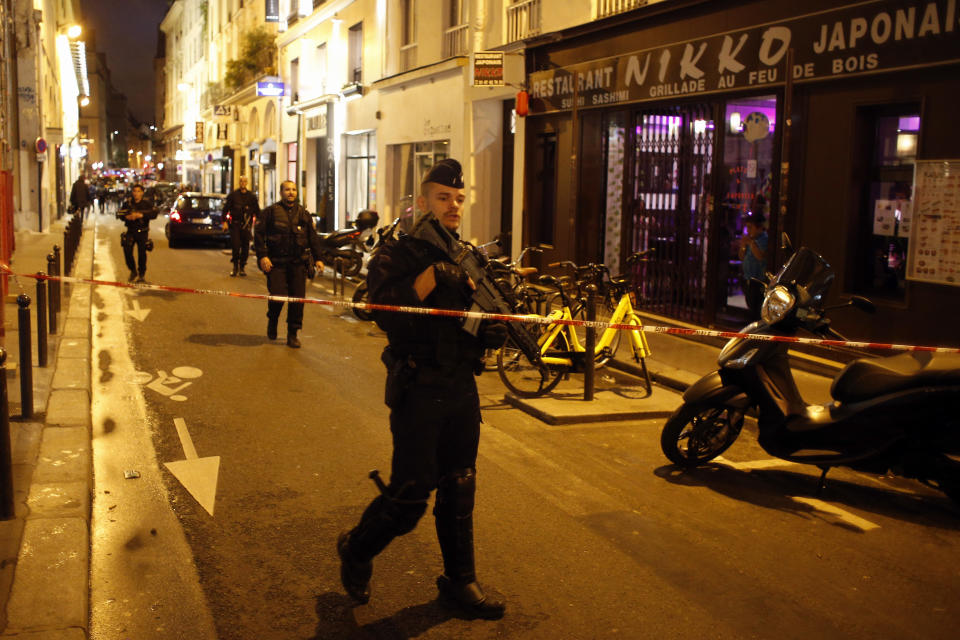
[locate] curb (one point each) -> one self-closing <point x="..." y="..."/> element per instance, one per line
<point x="49" y="595"/>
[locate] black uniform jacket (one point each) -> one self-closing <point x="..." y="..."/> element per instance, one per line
<point x="284" y="234"/>
<point x="242" y="206"/>
<point x="145" y="207"/>
<point x="431" y="340"/>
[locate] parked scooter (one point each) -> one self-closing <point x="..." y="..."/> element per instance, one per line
<point x="347" y="244"/>
<point x="895" y="414"/>
<point x="361" y="293"/>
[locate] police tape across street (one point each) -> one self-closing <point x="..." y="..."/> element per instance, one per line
<point x="479" y="315"/>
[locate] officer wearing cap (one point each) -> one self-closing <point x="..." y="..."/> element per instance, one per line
<point x="432" y="394"/>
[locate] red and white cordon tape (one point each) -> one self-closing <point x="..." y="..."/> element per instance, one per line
<point x="531" y="319"/>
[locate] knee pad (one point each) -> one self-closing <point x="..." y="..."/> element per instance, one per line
<point x="455" y="493"/>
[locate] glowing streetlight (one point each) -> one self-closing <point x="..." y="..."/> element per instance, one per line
<point x="84" y="101"/>
<point x="74" y="31"/>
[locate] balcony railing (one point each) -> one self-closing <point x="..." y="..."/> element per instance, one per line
<point x="408" y="56"/>
<point x="523" y="20"/>
<point x="612" y="7"/>
<point x="455" y="41"/>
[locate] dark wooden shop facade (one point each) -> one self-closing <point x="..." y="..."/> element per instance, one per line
<point x="665" y="128"/>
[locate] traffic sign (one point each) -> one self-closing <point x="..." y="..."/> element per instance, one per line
<point x="41" y="145"/>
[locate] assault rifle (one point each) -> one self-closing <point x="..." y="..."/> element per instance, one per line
<point x="487" y="297"/>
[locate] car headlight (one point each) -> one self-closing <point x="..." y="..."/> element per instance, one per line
<point x="776" y="305"/>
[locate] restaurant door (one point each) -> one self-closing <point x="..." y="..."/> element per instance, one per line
<point x="695" y="173"/>
<point x="668" y="203"/>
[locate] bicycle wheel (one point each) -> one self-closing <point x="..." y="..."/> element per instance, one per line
<point x="523" y="378"/>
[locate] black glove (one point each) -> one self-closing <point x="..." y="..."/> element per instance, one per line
<point x="450" y="275"/>
<point x="494" y="335"/>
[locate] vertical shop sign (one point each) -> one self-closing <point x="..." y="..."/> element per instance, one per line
<point x="198" y="128"/>
<point x="330" y="212"/>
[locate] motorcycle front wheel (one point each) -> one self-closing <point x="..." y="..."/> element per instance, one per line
<point x="696" y="434"/>
<point x="361" y="294"/>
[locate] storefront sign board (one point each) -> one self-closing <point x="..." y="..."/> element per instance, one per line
<point x="870" y="37"/>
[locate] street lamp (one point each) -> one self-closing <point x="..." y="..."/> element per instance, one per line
<point x="74" y="31"/>
<point x="84" y="101"/>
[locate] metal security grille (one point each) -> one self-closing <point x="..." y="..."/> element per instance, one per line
<point x="671" y="174"/>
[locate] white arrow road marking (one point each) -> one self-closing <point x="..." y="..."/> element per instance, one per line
<point x="137" y="312"/>
<point x="842" y="514"/>
<point x="197" y="475"/>
<point x="753" y="464"/>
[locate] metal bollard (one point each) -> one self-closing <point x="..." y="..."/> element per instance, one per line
<point x="58" y="271"/>
<point x="338" y="275"/>
<point x="591" y="347"/>
<point x="41" y="321"/>
<point x="51" y="296"/>
<point x="26" y="359"/>
<point x="7" y="510"/>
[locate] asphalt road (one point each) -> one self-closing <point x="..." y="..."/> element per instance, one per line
<point x="585" y="531"/>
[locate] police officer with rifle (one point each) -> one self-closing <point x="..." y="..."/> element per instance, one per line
<point x="435" y="411"/>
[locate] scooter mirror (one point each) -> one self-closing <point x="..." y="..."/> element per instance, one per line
<point x="863" y="304"/>
<point x="785" y="243"/>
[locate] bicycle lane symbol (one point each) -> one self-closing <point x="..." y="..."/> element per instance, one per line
<point x="165" y="384"/>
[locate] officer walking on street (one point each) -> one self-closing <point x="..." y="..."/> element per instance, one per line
<point x="286" y="243"/>
<point x="431" y="391"/>
<point x="137" y="212"/>
<point x="239" y="209"/>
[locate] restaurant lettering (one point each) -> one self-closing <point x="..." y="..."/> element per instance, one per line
<point x="879" y="35"/>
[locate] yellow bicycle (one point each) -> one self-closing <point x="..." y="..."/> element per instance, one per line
<point x="562" y="351"/>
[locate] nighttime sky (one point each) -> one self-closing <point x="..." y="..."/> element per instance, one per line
<point x="127" y="34"/>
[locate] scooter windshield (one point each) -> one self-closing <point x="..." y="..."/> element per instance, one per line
<point x="809" y="270"/>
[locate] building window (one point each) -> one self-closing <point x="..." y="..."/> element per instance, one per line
<point x="888" y="137"/>
<point x="455" y="29"/>
<point x="321" y="68"/>
<point x="355" y="54"/>
<point x="295" y="79"/>
<point x="361" y="172"/>
<point x="408" y="35"/>
<point x="292" y="155"/>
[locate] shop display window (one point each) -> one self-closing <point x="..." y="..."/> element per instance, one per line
<point x="746" y="186"/>
<point x="886" y="208"/>
<point x="410" y="163"/>
<point x="361" y="163"/>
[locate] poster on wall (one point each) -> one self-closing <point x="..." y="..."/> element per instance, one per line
<point x="934" y="253"/>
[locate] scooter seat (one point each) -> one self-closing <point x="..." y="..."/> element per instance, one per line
<point x="865" y="379"/>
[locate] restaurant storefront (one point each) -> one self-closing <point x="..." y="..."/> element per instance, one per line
<point x="657" y="130"/>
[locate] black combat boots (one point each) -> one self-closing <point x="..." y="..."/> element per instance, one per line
<point x="272" y="328"/>
<point x="292" y="341"/>
<point x="235" y="271"/>
<point x="354" y="574"/>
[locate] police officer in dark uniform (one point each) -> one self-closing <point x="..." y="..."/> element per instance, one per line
<point x="239" y="209"/>
<point x="435" y="411"/>
<point x="283" y="240"/>
<point x="136" y="212"/>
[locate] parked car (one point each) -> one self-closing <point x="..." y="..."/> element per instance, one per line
<point x="196" y="216"/>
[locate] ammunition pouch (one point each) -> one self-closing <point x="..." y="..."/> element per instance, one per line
<point x="126" y="240"/>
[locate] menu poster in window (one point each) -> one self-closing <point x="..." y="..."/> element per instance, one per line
<point x="934" y="252"/>
<point x="892" y="218"/>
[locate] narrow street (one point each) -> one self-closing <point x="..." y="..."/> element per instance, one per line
<point x="585" y="530"/>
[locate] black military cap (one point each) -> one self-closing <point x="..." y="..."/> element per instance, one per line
<point x="446" y="172"/>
